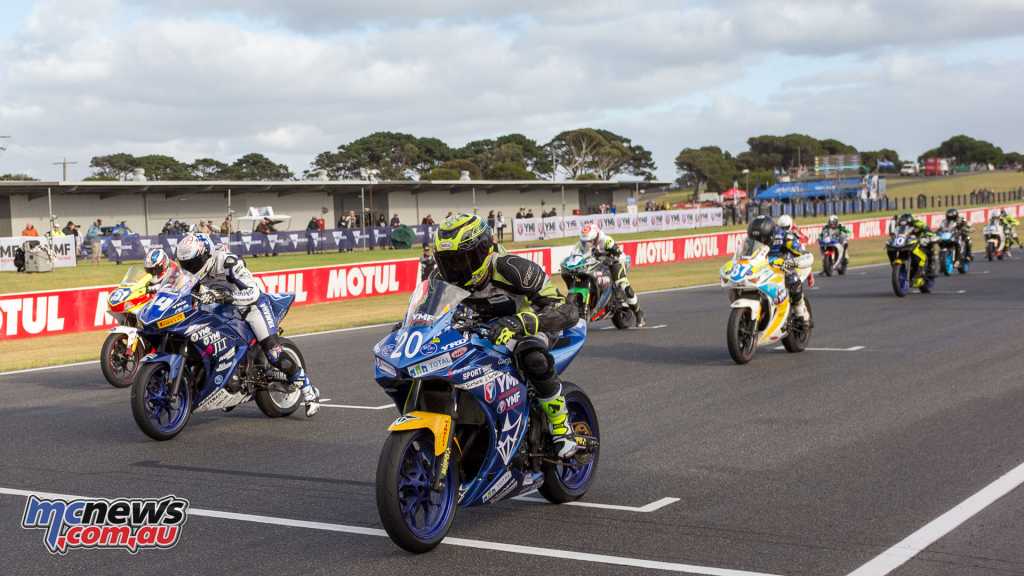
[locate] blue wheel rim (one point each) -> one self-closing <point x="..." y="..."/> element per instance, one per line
<point x="949" y="263"/>
<point x="167" y="413"/>
<point x="424" y="511"/>
<point x="577" y="477"/>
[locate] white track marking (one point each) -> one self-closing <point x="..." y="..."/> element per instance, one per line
<point x="502" y="547"/>
<point x="655" y="327"/>
<point x="353" y="407"/>
<point x="41" y="368"/>
<point x="646" y="509"/>
<point x="850" y="349"/>
<point x="931" y="532"/>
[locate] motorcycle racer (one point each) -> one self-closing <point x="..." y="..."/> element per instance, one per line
<point x="787" y="252"/>
<point x="963" y="228"/>
<point x="925" y="235"/>
<point x="158" y="265"/>
<point x="603" y="247"/>
<point x="228" y="281"/>
<point x="1009" y="224"/>
<point x="516" y="296"/>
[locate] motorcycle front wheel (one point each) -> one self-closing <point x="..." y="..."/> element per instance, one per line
<point x="900" y="280"/>
<point x="990" y="251"/>
<point x="159" y="415"/>
<point x="741" y="335"/>
<point x="946" y="257"/>
<point x="826" y="264"/>
<point x="568" y="481"/>
<point x="623" y="319"/>
<point x="415" y="516"/>
<point x="116" y="362"/>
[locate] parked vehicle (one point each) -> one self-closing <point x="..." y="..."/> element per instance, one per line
<point x="909" y="168"/>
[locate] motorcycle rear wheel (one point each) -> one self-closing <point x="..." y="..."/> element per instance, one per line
<point x="564" y="482"/>
<point x="797" y="341"/>
<point x="415" y="516"/>
<point x="623" y="319"/>
<point x="276" y="404"/>
<point x="741" y="335"/>
<point x="118" y="366"/>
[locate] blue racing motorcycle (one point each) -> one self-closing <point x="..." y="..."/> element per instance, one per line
<point x="469" y="433"/>
<point x="205" y="358"/>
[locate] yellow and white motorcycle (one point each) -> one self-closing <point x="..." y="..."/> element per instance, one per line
<point x="762" y="312"/>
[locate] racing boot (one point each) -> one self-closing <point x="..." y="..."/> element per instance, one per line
<point x="634" y="304"/>
<point x="559" y="427"/>
<point x="310" y="395"/>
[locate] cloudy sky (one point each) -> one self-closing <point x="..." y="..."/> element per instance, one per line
<point x="197" y="78"/>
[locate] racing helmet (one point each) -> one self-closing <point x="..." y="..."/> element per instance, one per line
<point x="193" y="253"/>
<point x="952" y="215"/>
<point x="905" y="219"/>
<point x="1002" y="213"/>
<point x="761" y="229"/>
<point x="833" y="220"/>
<point x="463" y="248"/>
<point x="786" y="222"/>
<point x="589" y="234"/>
<point x="156" y="262"/>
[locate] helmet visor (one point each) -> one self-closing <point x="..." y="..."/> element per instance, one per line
<point x="458" y="266"/>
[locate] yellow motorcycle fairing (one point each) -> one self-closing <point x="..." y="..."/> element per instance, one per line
<point x="440" y="425"/>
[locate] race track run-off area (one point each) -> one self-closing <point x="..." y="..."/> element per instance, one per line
<point x="893" y="446"/>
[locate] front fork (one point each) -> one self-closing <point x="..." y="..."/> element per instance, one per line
<point x="440" y="425"/>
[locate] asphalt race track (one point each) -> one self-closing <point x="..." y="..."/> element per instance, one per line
<point x="814" y="463"/>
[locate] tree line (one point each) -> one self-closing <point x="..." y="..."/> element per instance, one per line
<point x="580" y="154"/>
<point x="767" y="156"/>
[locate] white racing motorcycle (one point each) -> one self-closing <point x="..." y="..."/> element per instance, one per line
<point x="762" y="312"/>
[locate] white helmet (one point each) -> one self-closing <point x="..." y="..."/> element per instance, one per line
<point x="194" y="253"/>
<point x="589" y="233"/>
<point x="785" y="222"/>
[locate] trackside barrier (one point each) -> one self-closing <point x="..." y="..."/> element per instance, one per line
<point x="78" y="310"/>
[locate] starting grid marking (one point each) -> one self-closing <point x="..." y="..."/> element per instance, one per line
<point x="850" y="349"/>
<point x="646" y="509"/>
<point x="501" y="547"/>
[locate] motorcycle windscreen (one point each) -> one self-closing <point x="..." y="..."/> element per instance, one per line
<point x="134" y="275"/>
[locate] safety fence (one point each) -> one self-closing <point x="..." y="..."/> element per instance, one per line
<point x="823" y="207"/>
<point x="76" y="310"/>
<point x="524" y="229"/>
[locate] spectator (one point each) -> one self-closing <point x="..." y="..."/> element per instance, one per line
<point x="448" y="216"/>
<point x="225" y="226"/>
<point x="92" y="238"/>
<point x="381" y="220"/>
<point x="71" y="229"/>
<point x="30" y="230"/>
<point x="427" y="263"/>
<point x="395" y="222"/>
<point x="553" y="213"/>
<point x="529" y="213"/>
<point x="312" y="229"/>
<point x="491" y="220"/>
<point x="500" y="221"/>
<point x="428" y="220"/>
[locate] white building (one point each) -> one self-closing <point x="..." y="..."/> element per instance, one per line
<point x="146" y="206"/>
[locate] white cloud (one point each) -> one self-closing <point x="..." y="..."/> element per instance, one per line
<point x="225" y="77"/>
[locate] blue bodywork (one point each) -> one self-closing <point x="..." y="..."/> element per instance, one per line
<point x="486" y="373"/>
<point x="216" y="333"/>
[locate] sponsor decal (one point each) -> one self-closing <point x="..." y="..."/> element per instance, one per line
<point x="357" y="281"/>
<point x="509" y="400"/>
<point x="500" y="483"/>
<point x="655" y="252"/>
<point x="218" y="380"/>
<point x="428" y="348"/>
<point x="500" y="381"/>
<point x="459" y="352"/>
<point x="471" y="373"/>
<point x="285" y="283"/>
<point x="700" y="247"/>
<point x="132" y="524"/>
<point x="403" y="419"/>
<point x="454" y="344"/>
<point x="222" y="367"/>
<point x="31" y="315"/>
<point x="432" y="365"/>
<point x="171" y="321"/>
<point x="509" y="435"/>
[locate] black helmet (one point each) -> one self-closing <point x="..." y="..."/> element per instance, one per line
<point x="905" y="219"/>
<point x="761" y="229"/>
<point x="952" y="214"/>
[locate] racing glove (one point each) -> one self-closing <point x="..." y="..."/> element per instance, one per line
<point x="506" y="328"/>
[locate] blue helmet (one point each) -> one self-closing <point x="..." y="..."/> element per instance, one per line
<point x="156" y="261"/>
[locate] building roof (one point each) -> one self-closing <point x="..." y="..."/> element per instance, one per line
<point x="285" y="188"/>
